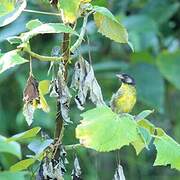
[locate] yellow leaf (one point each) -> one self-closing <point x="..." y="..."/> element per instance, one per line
<point x="69" y="9"/>
<point x="35" y="103"/>
<point x="44" y="86"/>
<point x="85" y="1"/>
<point x="43" y="103"/>
<point x="43" y="89"/>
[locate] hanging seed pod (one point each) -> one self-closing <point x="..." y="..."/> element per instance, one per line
<point x="52" y="168"/>
<point x="84" y="81"/>
<point x="31" y="91"/>
<point x="53" y="2"/>
<point x="76" y="172"/>
<point x="64" y="96"/>
<point x="31" y="99"/>
<point x="119" y="174"/>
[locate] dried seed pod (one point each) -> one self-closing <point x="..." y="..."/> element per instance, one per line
<point x="84" y="81"/>
<point x="28" y="111"/>
<point x="53" y="2"/>
<point x="119" y="174"/>
<point x="31" y="91"/>
<point x="76" y="172"/>
<point x="33" y="97"/>
<point x="53" y="168"/>
<point x="60" y="90"/>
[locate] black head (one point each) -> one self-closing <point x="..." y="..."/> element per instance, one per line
<point x="125" y="78"/>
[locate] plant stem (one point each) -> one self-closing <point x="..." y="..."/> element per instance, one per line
<point x="40" y="57"/>
<point x="59" y="129"/>
<point x="72" y="146"/>
<point x="82" y="33"/>
<point x="65" y="58"/>
<point x="66" y="51"/>
<point x="41" y="12"/>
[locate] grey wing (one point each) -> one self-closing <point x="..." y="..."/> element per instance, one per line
<point x="114" y="97"/>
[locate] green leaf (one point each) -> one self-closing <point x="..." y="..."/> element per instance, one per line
<point x="147" y="125"/>
<point x="109" y="26"/>
<point x="146" y="130"/>
<point x="38" y="146"/>
<point x="47" y="29"/>
<point x="150" y="91"/>
<point x="109" y="65"/>
<point x="169" y="66"/>
<point x="100" y="3"/>
<point x="86" y="1"/>
<point x="142" y="57"/>
<point x="168" y="150"/>
<point x="10" y="59"/>
<point x="33" y="24"/>
<point x="10" y="11"/>
<point x="5" y="7"/>
<point x="14" y="40"/>
<point x="143" y="31"/>
<point x="166" y="9"/>
<point x="8" y="175"/>
<point x="27" y="134"/>
<point x="69" y="9"/>
<point x="10" y="147"/>
<point x="143" y="114"/>
<point x="22" y="165"/>
<point x="93" y="129"/>
<point x="145" y="135"/>
<point x="140" y="24"/>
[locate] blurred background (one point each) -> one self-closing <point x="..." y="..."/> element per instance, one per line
<point x="153" y="27"/>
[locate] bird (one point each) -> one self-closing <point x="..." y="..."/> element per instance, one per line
<point x="124" y="99"/>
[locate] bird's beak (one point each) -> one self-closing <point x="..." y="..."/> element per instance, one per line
<point x="120" y="76"/>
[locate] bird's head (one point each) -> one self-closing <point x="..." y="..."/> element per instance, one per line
<point x="125" y="78"/>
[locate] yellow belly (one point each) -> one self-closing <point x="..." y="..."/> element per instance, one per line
<point x="125" y="103"/>
<point x="125" y="99"/>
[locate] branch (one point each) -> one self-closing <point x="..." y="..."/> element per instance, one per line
<point x="40" y="57"/>
<point x="72" y="146"/>
<point x="59" y="127"/>
<point x="41" y="12"/>
<point x="65" y="59"/>
<point x="81" y="36"/>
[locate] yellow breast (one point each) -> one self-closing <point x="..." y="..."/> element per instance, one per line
<point x="124" y="100"/>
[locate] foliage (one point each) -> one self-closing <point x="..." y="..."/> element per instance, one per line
<point x="109" y="26"/>
<point x="10" y="147"/>
<point x="92" y="131"/>
<point x="149" y="27"/>
<point x="10" y="59"/>
<point x="165" y="144"/>
<point x="10" y="10"/>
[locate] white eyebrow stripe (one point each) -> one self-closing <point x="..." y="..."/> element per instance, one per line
<point x="129" y="80"/>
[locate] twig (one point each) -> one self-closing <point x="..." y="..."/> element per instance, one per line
<point x="82" y="33"/>
<point x="40" y="57"/>
<point x="72" y="146"/>
<point x="41" y="12"/>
